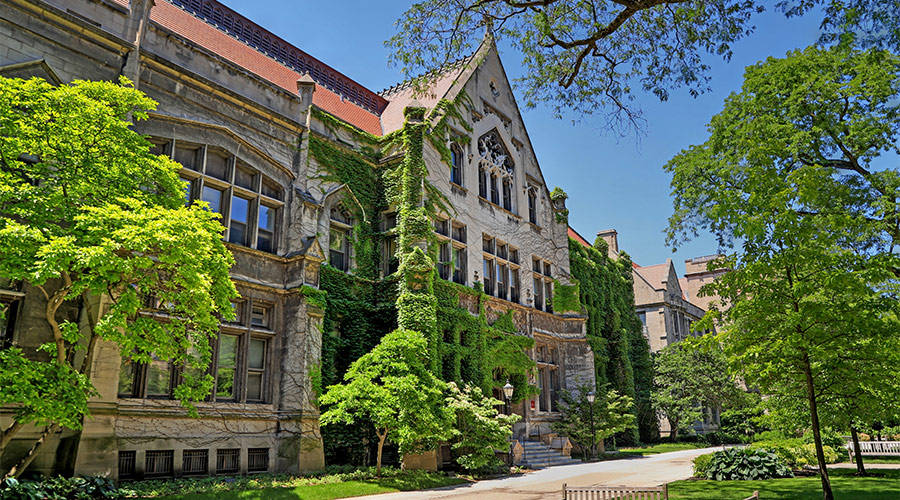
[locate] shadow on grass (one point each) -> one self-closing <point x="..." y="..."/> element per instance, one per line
<point x="880" y="485"/>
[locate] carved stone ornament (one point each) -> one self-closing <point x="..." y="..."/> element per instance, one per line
<point x="494" y="156"/>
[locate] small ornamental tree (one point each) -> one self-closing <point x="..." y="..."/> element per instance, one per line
<point x="689" y="376"/>
<point x="392" y="387"/>
<point x="610" y="411"/>
<point x="96" y="226"/>
<point x="480" y="428"/>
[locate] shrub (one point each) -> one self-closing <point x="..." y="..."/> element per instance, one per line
<point x="60" y="488"/>
<point x="746" y="464"/>
<point x="832" y="439"/>
<point x="806" y="455"/>
<point x="701" y="465"/>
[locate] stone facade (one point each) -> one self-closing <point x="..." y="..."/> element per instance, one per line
<point x="235" y="109"/>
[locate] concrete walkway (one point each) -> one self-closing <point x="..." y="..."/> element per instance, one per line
<point x="868" y="466"/>
<point x="547" y="483"/>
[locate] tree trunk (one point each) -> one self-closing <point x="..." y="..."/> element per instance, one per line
<point x="857" y="452"/>
<point x="380" y="447"/>
<point x="25" y="461"/>
<point x="7" y="434"/>
<point x="817" y="436"/>
<point x="673" y="433"/>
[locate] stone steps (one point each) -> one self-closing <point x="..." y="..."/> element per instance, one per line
<point x="537" y="455"/>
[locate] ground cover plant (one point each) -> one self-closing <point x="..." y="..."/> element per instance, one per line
<point x="880" y="485"/>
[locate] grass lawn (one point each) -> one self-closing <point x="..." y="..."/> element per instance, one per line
<point x="324" y="486"/>
<point x="661" y="448"/>
<point x="321" y="491"/>
<point x="882" y="484"/>
<point x="879" y="460"/>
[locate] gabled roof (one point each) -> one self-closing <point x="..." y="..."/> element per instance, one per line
<point x="655" y="275"/>
<point x="335" y="92"/>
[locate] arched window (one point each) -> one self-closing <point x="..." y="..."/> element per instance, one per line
<point x="339" y="238"/>
<point x="456" y="165"/>
<point x="498" y="170"/>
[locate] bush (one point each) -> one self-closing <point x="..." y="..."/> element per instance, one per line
<point x="746" y="464"/>
<point x="806" y="455"/>
<point x="832" y="439"/>
<point x="795" y="453"/>
<point x="702" y="464"/>
<point x="60" y="488"/>
<point x="719" y="438"/>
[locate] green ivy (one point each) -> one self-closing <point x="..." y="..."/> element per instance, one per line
<point x="566" y="298"/>
<point x="621" y="353"/>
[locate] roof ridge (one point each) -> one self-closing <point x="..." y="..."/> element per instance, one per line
<point x="430" y="74"/>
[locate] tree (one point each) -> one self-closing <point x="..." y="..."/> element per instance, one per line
<point x="97" y="225"/>
<point x="480" y="428"/>
<point x="392" y="387"/>
<point x="792" y="184"/>
<point x="688" y="377"/>
<point x="611" y="415"/>
<point x="588" y="56"/>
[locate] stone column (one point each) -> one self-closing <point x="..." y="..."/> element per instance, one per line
<point x="135" y="28"/>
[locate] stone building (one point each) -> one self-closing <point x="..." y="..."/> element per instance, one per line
<point x="696" y="275"/>
<point x="237" y="109"/>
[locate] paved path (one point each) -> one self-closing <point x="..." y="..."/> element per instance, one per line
<point x="547" y="483"/>
<point x="868" y="466"/>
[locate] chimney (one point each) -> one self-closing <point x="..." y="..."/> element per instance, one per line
<point x="611" y="237"/>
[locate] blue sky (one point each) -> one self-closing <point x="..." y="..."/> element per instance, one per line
<point x="612" y="182"/>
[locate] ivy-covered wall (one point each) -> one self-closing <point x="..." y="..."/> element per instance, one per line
<point x="621" y="353"/>
<point x="361" y="307"/>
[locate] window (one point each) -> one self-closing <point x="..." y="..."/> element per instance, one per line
<point x="218" y="166"/>
<point x="158" y="462"/>
<point x="532" y="205"/>
<point x="216" y="176"/>
<point x="459" y="232"/>
<point x="8" y="321"/>
<point x="459" y="265"/>
<point x="127" y="461"/>
<point x="260" y="315"/>
<point x="456" y="165"/>
<point x="127" y="387"/>
<point x="256" y="368"/>
<point x="444" y="261"/>
<point x="265" y="233"/>
<point x="495" y="194"/>
<point x="442" y="227"/>
<point x="195" y="462"/>
<point x="390" y="262"/>
<point x="489" y="276"/>
<point x="226" y="367"/>
<point x="228" y="461"/>
<point x="507" y="194"/>
<point x="213" y="196"/>
<point x="499" y="270"/>
<point x="339" y="249"/>
<point x="257" y="459"/>
<point x="482" y="182"/>
<point x="543" y="284"/>
<point x="245" y="177"/>
<point x="159" y="379"/>
<point x="188" y="190"/>
<point x="187" y="156"/>
<point x="240" y="215"/>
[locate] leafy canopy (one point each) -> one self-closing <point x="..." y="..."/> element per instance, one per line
<point x="589" y="56"/>
<point x="87" y="215"/>
<point x="480" y="429"/>
<point x="611" y="415"/>
<point x="393" y="388"/>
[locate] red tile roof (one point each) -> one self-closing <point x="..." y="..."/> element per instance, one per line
<point x="577" y="237"/>
<point x="220" y="43"/>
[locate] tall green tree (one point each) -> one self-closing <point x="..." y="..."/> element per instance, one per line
<point x="88" y="215"/>
<point x="392" y="388"/>
<point x="688" y="377"/>
<point x="799" y="183"/>
<point x="590" y="55"/>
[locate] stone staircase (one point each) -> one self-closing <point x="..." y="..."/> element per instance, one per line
<point x="538" y="455"/>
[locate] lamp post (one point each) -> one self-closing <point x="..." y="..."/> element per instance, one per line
<point x="590" y="399"/>
<point x="507" y="394"/>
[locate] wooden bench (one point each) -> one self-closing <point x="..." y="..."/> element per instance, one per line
<point x="754" y="496"/>
<point x="615" y="492"/>
<point x="876" y="448"/>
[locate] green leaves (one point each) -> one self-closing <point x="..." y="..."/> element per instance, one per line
<point x="480" y="429"/>
<point x="611" y="415"/>
<point x="95" y="221"/>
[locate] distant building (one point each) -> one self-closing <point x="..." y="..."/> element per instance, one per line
<point x="696" y="275"/>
